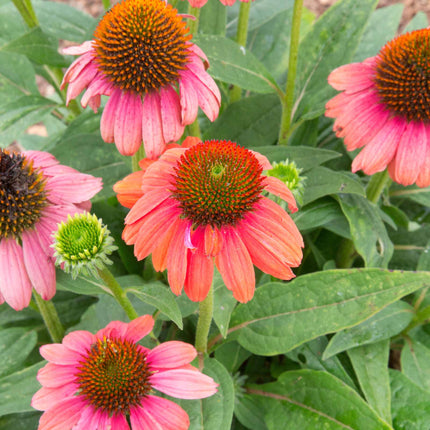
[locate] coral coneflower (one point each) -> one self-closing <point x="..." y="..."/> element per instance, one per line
<point x="36" y="193"/>
<point x="385" y="108"/>
<point x="106" y="380"/>
<point x="200" y="3"/>
<point x="141" y="56"/>
<point x="203" y="205"/>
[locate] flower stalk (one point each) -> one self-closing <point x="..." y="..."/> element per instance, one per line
<point x="288" y="99"/>
<point x="50" y="318"/>
<point x="204" y="322"/>
<point x="241" y="38"/>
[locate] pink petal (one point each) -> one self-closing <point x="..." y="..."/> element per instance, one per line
<point x="46" y="397"/>
<point x="73" y="188"/>
<point x="116" y="329"/>
<point x="118" y="422"/>
<point x="96" y="88"/>
<point x="200" y="270"/>
<point x="79" y="341"/>
<point x="15" y="285"/>
<point x="53" y="375"/>
<point x="171" y="355"/>
<point x="76" y="68"/>
<point x="107" y="122"/>
<point x="411" y="154"/>
<point x="63" y="415"/>
<point x="80" y="49"/>
<point x="139" y="328"/>
<point x="352" y="77"/>
<point x="278" y="188"/>
<point x="423" y="179"/>
<point x="184" y="384"/>
<point x="93" y="419"/>
<point x="380" y="150"/>
<point x="159" y="254"/>
<point x="150" y="201"/>
<point x="41" y="159"/>
<point x="170" y="114"/>
<point x="40" y="267"/>
<point x="152" y="127"/>
<point x="128" y="124"/>
<point x="140" y="419"/>
<point x="177" y="258"/>
<point x="235" y="266"/>
<point x="57" y="353"/>
<point x="82" y="81"/>
<point x="189" y="101"/>
<point x="168" y="414"/>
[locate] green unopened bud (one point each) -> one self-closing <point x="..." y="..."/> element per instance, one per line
<point x="289" y="174"/>
<point x="82" y="245"/>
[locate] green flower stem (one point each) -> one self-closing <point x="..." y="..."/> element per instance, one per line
<point x="193" y="24"/>
<point x="378" y="182"/>
<point x="288" y="100"/>
<point x="139" y="155"/>
<point x="204" y="322"/>
<point x="25" y="8"/>
<point x="347" y="252"/>
<point x="50" y="318"/>
<point x="241" y="37"/>
<point x="117" y="292"/>
<point x="420" y="318"/>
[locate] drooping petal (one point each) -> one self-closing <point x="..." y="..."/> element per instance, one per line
<point x="410" y="155"/>
<point x="118" y="422"/>
<point x="168" y="414"/>
<point x="15" y="285"/>
<point x="107" y="122"/>
<point x="278" y="188"/>
<point x="152" y="127"/>
<point x="184" y="384"/>
<point x="129" y="189"/>
<point x="141" y="419"/>
<point x="40" y="267"/>
<point x="171" y="355"/>
<point x="189" y="101"/>
<point x="235" y="266"/>
<point x="423" y="179"/>
<point x="92" y="418"/>
<point x="128" y="124"/>
<point x="171" y="114"/>
<point x="63" y="415"/>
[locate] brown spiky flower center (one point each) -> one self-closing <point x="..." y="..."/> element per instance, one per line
<point x="403" y="75"/>
<point x="217" y="183"/>
<point x="114" y="376"/>
<point x="141" y="45"/>
<point x="22" y="194"/>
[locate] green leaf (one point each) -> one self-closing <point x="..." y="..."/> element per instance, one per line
<point x="231" y="355"/>
<point x="322" y="181"/>
<point x="310" y="400"/>
<point x="370" y="363"/>
<point x="381" y="28"/>
<point x="160" y="296"/>
<point x="410" y="404"/>
<point x="19" y="114"/>
<point x="367" y="230"/>
<point x="17" y="71"/>
<point x="415" y="361"/>
<point x="80" y="285"/>
<point x="330" y="43"/>
<point x="283" y="316"/>
<point x="235" y="65"/>
<point x="12" y="25"/>
<point x="105" y="161"/>
<point x="38" y="47"/>
<point x="15" y="346"/>
<point x="249" y="412"/>
<point x="389" y="322"/>
<point x="309" y="356"/>
<point x="215" y="412"/>
<point x="23" y="421"/>
<point x="64" y="22"/>
<point x="412" y="192"/>
<point x="17" y="389"/>
<point x="251" y="121"/>
<point x="224" y="303"/>
<point x="304" y="156"/>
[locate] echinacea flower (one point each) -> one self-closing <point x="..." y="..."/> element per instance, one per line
<point x="36" y="193"/>
<point x="107" y="380"/>
<point x="203" y="205"/>
<point x="142" y="57"/>
<point x="385" y="108"/>
<point x="200" y="3"/>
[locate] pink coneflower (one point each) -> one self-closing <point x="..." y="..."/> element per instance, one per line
<point x="107" y="381"/>
<point x="203" y="205"/>
<point x="385" y="108"/>
<point x="200" y="3"/>
<point x="36" y="193"/>
<point x="140" y="56"/>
